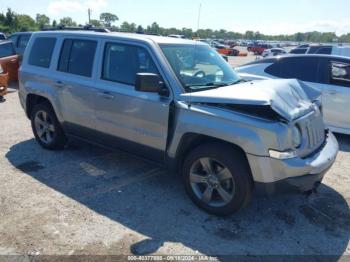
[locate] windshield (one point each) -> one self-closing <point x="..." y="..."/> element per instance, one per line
<point x="199" y="67"/>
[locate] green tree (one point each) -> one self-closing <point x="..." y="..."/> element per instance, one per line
<point x="96" y="23"/>
<point x="67" y="21"/>
<point x="54" y="23"/>
<point x="42" y="20"/>
<point x="25" y="23"/>
<point x="108" y="18"/>
<point x="140" y="29"/>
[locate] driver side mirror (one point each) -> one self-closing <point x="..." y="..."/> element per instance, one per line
<point x="148" y="82"/>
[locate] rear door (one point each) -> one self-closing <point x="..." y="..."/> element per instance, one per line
<point x="9" y="60"/>
<point x="74" y="84"/>
<point x="136" y="121"/>
<point x="335" y="76"/>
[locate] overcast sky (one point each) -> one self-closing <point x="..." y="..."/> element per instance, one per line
<point x="269" y="17"/>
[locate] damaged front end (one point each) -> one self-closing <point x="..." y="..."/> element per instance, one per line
<point x="290" y="102"/>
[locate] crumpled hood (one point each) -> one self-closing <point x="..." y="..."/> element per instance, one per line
<point x="290" y="98"/>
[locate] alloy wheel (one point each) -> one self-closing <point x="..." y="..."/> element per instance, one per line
<point x="212" y="182"/>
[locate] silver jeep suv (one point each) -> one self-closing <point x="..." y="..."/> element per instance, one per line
<point x="179" y="103"/>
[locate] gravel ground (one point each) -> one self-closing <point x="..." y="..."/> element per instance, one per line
<point x="91" y="201"/>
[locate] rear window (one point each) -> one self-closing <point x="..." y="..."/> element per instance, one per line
<point x="77" y="57"/>
<point x="23" y="41"/>
<point x="6" y="50"/>
<point x="41" y="52"/>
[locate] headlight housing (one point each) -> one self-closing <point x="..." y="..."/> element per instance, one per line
<point x="1" y="70"/>
<point x="297" y="138"/>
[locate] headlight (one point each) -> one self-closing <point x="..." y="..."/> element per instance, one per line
<point x="296" y="137"/>
<point x="1" y="70"/>
<point x="283" y="155"/>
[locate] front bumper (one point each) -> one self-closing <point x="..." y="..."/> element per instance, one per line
<point x="296" y="174"/>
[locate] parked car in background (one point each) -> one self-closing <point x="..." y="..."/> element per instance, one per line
<point x="226" y="50"/>
<point x="9" y="60"/>
<point x="302" y="49"/>
<point x="2" y="36"/>
<point x="226" y="137"/>
<point x="177" y="36"/>
<point x="3" y="82"/>
<point x="259" y="48"/>
<point x="20" y="41"/>
<point x="329" y="50"/>
<point x="274" y="52"/>
<point x="328" y="74"/>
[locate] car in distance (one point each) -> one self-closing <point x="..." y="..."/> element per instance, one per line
<point x="273" y="52"/>
<point x="9" y="60"/>
<point x="177" y="102"/>
<point x="20" y="41"/>
<point x="2" y="36"/>
<point x="328" y="74"/>
<point x="3" y="82"/>
<point x="301" y="49"/>
<point x="258" y="48"/>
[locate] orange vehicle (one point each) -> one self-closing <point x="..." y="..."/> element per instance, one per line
<point x="9" y="60"/>
<point x="3" y="82"/>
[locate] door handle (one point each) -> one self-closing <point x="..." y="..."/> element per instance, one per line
<point x="332" y="92"/>
<point x="105" y="95"/>
<point x="59" y="83"/>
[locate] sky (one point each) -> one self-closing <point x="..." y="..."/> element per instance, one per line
<point x="269" y="17"/>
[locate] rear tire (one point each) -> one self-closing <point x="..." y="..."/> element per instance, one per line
<point x="46" y="127"/>
<point x="217" y="178"/>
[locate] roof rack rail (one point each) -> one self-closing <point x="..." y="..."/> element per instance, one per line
<point x="77" y="28"/>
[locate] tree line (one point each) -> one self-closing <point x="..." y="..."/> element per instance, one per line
<point x="12" y="22"/>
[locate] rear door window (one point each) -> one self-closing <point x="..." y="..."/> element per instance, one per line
<point x="122" y="62"/>
<point x="77" y="57"/>
<point x="6" y="50"/>
<point x="41" y="52"/>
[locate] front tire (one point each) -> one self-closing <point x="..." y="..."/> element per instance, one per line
<point x="217" y="178"/>
<point x="46" y="128"/>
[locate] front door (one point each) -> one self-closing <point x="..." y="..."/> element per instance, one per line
<point x="336" y="97"/>
<point x="136" y="121"/>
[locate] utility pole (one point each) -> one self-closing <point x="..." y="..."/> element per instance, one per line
<point x="89" y="14"/>
<point x="199" y="18"/>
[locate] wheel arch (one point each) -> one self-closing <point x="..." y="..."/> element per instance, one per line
<point x="189" y="141"/>
<point x="34" y="99"/>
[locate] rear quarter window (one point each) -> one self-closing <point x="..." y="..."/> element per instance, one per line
<point x="41" y="52"/>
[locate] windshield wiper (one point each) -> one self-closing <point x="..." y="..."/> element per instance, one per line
<point x="216" y="84"/>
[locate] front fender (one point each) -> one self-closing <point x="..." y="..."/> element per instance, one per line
<point x="255" y="136"/>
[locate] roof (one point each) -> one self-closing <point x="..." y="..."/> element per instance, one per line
<point x="129" y="36"/>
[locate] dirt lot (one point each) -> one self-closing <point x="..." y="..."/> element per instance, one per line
<point x="87" y="200"/>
